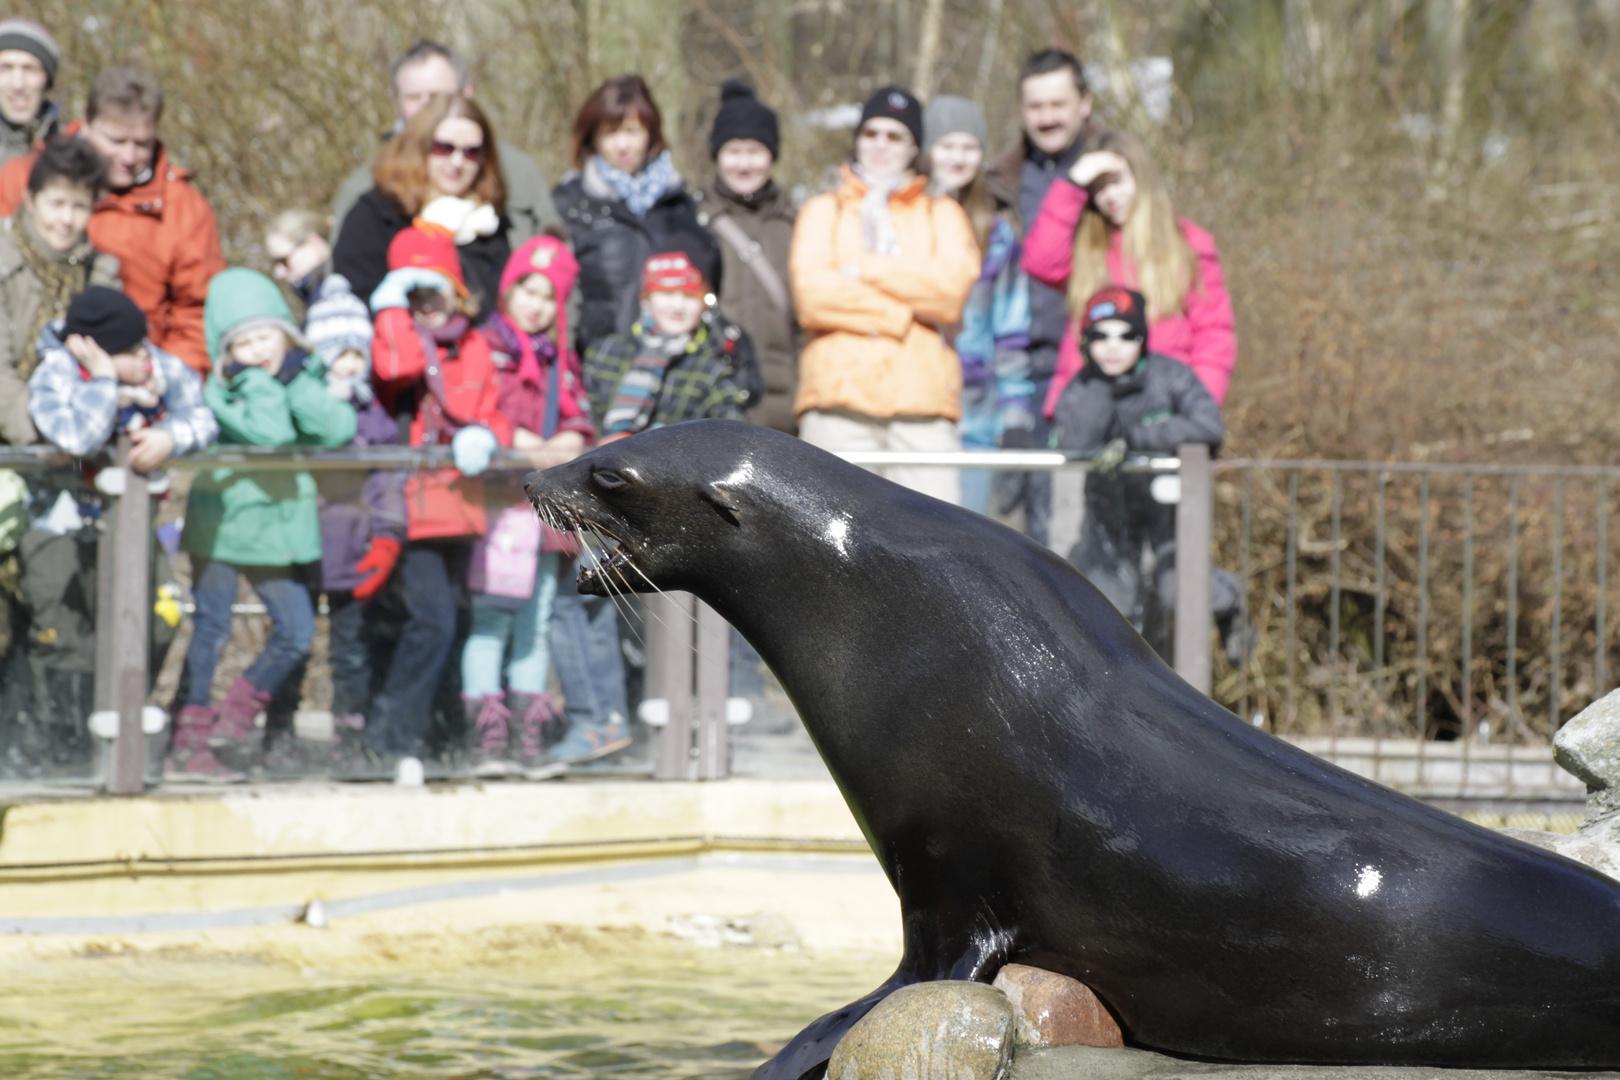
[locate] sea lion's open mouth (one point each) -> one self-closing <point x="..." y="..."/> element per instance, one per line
<point x="606" y="561"/>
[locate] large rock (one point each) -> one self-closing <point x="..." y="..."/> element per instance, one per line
<point x="1588" y="746"/>
<point x="1054" y="1010"/>
<point x="929" y="1031"/>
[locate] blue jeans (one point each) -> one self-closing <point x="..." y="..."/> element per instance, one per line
<point x="528" y="629"/>
<point x="430" y="575"/>
<point x="292" y="625"/>
<point x="585" y="647"/>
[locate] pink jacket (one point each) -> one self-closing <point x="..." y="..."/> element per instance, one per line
<point x="1201" y="335"/>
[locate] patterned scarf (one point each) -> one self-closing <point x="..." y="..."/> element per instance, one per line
<point x="636" y="396"/>
<point x="877" y="227"/>
<point x="532" y="350"/>
<point x="640" y="191"/>
<point x="62" y="275"/>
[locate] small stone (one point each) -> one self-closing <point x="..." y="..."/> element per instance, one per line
<point x="942" y="1030"/>
<point x="1054" y="1010"/>
<point x="1588" y="747"/>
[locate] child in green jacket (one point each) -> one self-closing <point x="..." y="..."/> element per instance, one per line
<point x="265" y="390"/>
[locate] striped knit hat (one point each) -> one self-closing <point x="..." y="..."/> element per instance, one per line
<point x="338" y="321"/>
<point x="30" y="37"/>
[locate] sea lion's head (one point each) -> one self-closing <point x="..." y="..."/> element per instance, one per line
<point x="686" y="506"/>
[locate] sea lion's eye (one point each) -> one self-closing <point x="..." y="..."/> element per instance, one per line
<point x="608" y="479"/>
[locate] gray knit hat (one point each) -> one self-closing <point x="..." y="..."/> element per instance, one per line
<point x="30" y="37"/>
<point x="948" y="114"/>
<point x="338" y="321"/>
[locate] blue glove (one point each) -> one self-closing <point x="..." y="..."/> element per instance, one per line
<point x="396" y="287"/>
<point x="472" y="448"/>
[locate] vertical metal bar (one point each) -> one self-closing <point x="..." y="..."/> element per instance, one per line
<point x="669" y="641"/>
<point x="1333" y="620"/>
<point x="1293" y="556"/>
<point x="1467" y="631"/>
<point x="1243" y="584"/>
<point x="1512" y="623"/>
<point x="131" y="607"/>
<point x="1194" y="515"/>
<point x="1555" y="676"/>
<point x="713" y="686"/>
<point x="1600" y="659"/>
<point x="1420" y="707"/>
<point x="1380" y="584"/>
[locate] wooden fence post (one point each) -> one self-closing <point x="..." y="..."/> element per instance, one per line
<point x="131" y="608"/>
<point x="1194" y="523"/>
<point x="669" y="677"/>
<point x="713" y="687"/>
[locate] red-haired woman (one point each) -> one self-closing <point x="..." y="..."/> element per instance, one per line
<point x="622" y="202"/>
<point x="442" y="168"/>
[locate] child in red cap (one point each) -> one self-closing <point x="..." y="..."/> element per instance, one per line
<point x="514" y="573"/>
<point x="680" y="361"/>
<point x="435" y="375"/>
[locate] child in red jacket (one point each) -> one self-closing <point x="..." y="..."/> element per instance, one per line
<point x="514" y="572"/>
<point x="435" y="375"/>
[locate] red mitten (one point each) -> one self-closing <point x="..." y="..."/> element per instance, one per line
<point x="378" y="562"/>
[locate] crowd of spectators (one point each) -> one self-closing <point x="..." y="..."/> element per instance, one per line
<point x="933" y="299"/>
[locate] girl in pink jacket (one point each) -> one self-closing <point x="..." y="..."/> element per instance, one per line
<point x="1110" y="222"/>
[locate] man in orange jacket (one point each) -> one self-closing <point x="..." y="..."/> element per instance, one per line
<point x="159" y="225"/>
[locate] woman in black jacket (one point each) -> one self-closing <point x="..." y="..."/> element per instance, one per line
<point x="443" y="167"/>
<point x="622" y="203"/>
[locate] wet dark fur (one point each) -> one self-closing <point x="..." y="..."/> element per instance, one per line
<point x="1040" y="787"/>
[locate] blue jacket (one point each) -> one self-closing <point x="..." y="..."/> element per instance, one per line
<point x="993" y="344"/>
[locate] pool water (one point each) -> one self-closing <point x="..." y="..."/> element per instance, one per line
<point x="679" y="1013"/>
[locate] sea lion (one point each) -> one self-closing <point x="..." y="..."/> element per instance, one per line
<point x="1040" y="787"/>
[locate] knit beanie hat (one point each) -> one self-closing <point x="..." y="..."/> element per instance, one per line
<point x="338" y="321"/>
<point x="240" y="300"/>
<point x="672" y="271"/>
<point x="424" y="246"/>
<point x="107" y="317"/>
<point x="949" y="115"/>
<point x="893" y="103"/>
<point x="743" y="116"/>
<point x="30" y="37"/>
<point x="1114" y="302"/>
<point x="550" y="258"/>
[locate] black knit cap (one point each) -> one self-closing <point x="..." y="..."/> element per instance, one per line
<point x="743" y="116"/>
<point x="107" y="317"/>
<point x="894" y="103"/>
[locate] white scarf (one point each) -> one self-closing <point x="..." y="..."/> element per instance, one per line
<point x="877" y="227"/>
<point x="465" y="219"/>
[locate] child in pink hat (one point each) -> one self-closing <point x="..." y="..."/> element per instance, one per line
<point x="513" y="576"/>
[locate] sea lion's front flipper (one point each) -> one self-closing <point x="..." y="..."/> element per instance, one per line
<point x="805" y="1056"/>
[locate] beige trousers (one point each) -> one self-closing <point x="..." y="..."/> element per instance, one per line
<point x="837" y="430"/>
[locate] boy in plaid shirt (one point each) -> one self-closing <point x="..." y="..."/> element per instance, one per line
<point x="681" y="360"/>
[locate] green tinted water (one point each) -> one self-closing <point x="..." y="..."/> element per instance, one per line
<point x="679" y="1014"/>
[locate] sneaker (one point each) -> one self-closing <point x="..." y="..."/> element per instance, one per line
<point x="589" y="742"/>
<point x="408" y="773"/>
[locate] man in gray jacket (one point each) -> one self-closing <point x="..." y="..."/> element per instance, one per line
<point x="428" y="68"/>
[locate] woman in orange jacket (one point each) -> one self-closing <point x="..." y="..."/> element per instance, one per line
<point x="879" y="268"/>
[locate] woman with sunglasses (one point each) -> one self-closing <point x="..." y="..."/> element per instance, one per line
<point x="879" y="266"/>
<point x="1110" y="222"/>
<point x="443" y="170"/>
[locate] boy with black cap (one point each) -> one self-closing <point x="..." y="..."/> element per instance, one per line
<point x="1124" y="400"/>
<point x="98" y="378"/>
<point x="754" y="218"/>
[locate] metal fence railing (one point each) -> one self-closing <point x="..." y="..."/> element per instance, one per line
<point x="1430" y="625"/>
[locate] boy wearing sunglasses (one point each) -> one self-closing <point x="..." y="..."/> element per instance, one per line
<point x="1128" y="400"/>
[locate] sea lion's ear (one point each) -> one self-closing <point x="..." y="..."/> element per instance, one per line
<point x="722" y="501"/>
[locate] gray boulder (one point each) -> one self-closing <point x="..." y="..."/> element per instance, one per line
<point x="929" y="1031"/>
